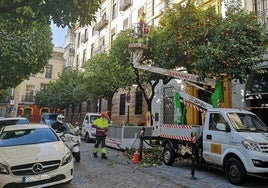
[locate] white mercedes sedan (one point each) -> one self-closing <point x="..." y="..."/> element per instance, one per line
<point x="33" y="156"/>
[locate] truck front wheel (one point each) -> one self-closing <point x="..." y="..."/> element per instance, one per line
<point x="235" y="171"/>
<point x="87" y="138"/>
<point x="168" y="156"/>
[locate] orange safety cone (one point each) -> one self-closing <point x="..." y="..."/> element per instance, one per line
<point x="136" y="157"/>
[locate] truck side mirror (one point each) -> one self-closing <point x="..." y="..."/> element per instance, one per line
<point x="221" y="126"/>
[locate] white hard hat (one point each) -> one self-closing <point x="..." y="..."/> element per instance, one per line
<point x="60" y="118"/>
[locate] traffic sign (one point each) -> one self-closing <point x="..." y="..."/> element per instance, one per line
<point x="128" y="97"/>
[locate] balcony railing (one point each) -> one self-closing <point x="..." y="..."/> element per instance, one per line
<point x="84" y="38"/>
<point x="99" y="49"/>
<point x="70" y="48"/>
<point x="28" y="98"/>
<point x="101" y="24"/>
<point x="124" y="4"/>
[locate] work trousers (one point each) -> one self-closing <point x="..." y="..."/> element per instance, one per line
<point x="100" y="140"/>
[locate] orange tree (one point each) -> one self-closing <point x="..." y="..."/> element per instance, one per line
<point x="203" y="42"/>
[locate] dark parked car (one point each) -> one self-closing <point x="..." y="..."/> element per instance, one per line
<point x="48" y="118"/>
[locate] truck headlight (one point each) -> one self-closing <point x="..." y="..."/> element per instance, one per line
<point x="3" y="169"/>
<point x="250" y="145"/>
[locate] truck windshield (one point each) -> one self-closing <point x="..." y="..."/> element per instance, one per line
<point x="247" y="123"/>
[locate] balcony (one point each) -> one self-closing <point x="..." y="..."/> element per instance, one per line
<point x="101" y="24"/>
<point x="70" y="49"/>
<point x="99" y="49"/>
<point x="124" y="4"/>
<point x="84" y="38"/>
<point x="27" y="98"/>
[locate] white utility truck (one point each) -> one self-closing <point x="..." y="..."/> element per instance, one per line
<point x="234" y="139"/>
<point x="88" y="132"/>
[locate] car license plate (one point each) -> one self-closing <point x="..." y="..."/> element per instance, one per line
<point x="35" y="178"/>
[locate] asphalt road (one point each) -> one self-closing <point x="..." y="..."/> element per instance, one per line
<point x="120" y="172"/>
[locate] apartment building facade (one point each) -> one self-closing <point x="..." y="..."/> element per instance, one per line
<point x="24" y="94"/>
<point x="81" y="43"/>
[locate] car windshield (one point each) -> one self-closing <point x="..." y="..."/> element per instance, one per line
<point x="27" y="136"/>
<point x="247" y="122"/>
<point x="52" y="116"/>
<point x="93" y="118"/>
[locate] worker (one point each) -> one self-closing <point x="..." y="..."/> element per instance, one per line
<point x="101" y="124"/>
<point x="193" y="155"/>
<point x="141" y="24"/>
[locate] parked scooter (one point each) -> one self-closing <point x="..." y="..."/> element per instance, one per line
<point x="72" y="139"/>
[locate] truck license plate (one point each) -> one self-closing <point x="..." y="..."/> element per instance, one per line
<point x="35" y="178"/>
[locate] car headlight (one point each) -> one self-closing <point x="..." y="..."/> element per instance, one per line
<point x="3" y="169"/>
<point x="67" y="159"/>
<point x="250" y="145"/>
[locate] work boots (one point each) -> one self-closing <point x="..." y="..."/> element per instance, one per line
<point x="103" y="156"/>
<point x="95" y="155"/>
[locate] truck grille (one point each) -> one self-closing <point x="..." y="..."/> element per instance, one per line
<point x="263" y="147"/>
<point x="30" y="169"/>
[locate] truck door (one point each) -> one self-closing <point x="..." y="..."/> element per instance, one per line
<point x="215" y="141"/>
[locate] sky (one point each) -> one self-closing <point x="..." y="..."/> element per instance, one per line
<point x="58" y="35"/>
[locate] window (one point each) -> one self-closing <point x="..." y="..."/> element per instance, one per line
<point x="84" y="58"/>
<point x="214" y="119"/>
<point x="91" y="50"/>
<point x="261" y="8"/>
<point x="103" y="17"/>
<point x="138" y="103"/>
<point x="86" y="35"/>
<point x="77" y="62"/>
<point x="48" y="73"/>
<point x="93" y="30"/>
<point x="43" y="86"/>
<point x="114" y="14"/>
<point x="102" y="45"/>
<point x="122" y="108"/>
<point x="112" y="34"/>
<point x="125" y="24"/>
<point x="29" y="94"/>
<point x="112" y="37"/>
<point x="78" y="40"/>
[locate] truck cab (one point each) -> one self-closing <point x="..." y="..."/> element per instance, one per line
<point x="236" y="140"/>
<point x="88" y="132"/>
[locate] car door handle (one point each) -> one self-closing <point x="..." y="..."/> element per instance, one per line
<point x="209" y="137"/>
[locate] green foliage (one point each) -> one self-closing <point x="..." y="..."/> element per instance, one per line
<point x="100" y="78"/>
<point x="150" y="157"/>
<point x="23" y="51"/>
<point x="69" y="90"/>
<point x="47" y="97"/>
<point x="25" y="34"/>
<point x="4" y="93"/>
<point x="105" y="74"/>
<point x="62" y="12"/>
